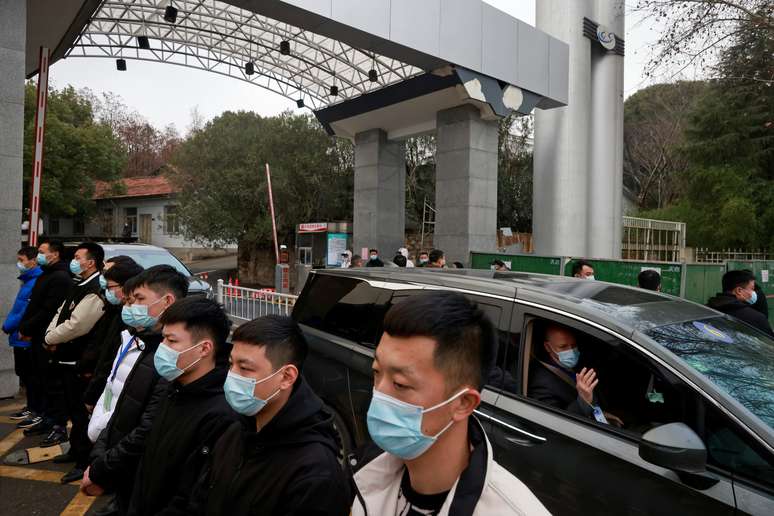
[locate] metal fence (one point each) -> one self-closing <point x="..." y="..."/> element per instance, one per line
<point x="705" y="255"/>
<point x="245" y="304"/>
<point x="649" y="240"/>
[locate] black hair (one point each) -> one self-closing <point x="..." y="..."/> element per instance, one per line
<point x="373" y="251"/>
<point x="279" y="335"/>
<point x="93" y="252"/>
<point x="435" y="255"/>
<point x="499" y="263"/>
<point x="400" y="260"/>
<point x="423" y="252"/>
<point x="465" y="339"/>
<point x="54" y="246"/>
<point x="459" y="265"/>
<point x="578" y="266"/>
<point x="28" y="252"/>
<point x="649" y="279"/>
<point x="122" y="270"/>
<point x="202" y="318"/>
<point x="734" y="279"/>
<point x="162" y="279"/>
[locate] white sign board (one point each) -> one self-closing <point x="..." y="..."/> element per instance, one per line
<point x="765" y="275"/>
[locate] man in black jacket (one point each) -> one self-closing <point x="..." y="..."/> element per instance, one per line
<point x="194" y="412"/>
<point x="51" y="289"/>
<point x="71" y="329"/>
<point x="119" y="447"/>
<point x="738" y="298"/>
<point x="282" y="457"/>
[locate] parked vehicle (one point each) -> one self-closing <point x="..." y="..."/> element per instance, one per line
<point x="694" y="388"/>
<point x="150" y="255"/>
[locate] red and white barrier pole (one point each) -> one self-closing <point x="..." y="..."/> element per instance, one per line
<point x="40" y="131"/>
<point x="273" y="220"/>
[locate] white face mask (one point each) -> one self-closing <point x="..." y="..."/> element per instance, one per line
<point x="590" y="278"/>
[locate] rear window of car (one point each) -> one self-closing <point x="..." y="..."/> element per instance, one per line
<point x="344" y="307"/>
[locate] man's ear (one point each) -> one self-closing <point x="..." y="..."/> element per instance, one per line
<point x="169" y="300"/>
<point x="467" y="403"/>
<point x="289" y="376"/>
<point x="208" y="347"/>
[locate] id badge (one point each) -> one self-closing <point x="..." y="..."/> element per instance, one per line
<point x="108" y="398"/>
<point x="600" y="416"/>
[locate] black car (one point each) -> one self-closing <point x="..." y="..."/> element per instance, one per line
<point x="693" y="387"/>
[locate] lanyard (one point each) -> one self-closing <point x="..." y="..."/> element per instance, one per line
<point x="121" y="357"/>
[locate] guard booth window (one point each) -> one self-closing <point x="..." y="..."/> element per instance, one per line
<point x="345" y="307"/>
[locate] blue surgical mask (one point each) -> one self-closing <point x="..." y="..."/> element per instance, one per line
<point x="396" y="426"/>
<point x="21" y="267"/>
<point x="165" y="361"/>
<point x="102" y="282"/>
<point x="240" y="393"/>
<point x="112" y="298"/>
<point x="753" y="298"/>
<point x="42" y="260"/>
<point x="137" y="316"/>
<point x="568" y="358"/>
<point x="374" y="256"/>
<point x="75" y="267"/>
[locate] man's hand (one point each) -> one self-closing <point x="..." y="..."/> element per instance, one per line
<point x="88" y="487"/>
<point x="585" y="381"/>
<point x="614" y="420"/>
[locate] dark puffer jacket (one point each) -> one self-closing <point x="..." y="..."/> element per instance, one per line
<point x="729" y="304"/>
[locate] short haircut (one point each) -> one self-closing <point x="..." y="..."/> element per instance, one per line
<point x="400" y="260"/>
<point x="499" y="263"/>
<point x="578" y="266"/>
<point x="734" y="279"/>
<point x="423" y="252"/>
<point x="28" y="252"/>
<point x="93" y="252"/>
<point x="202" y="317"/>
<point x="435" y="255"/>
<point x="54" y="246"/>
<point x="459" y="265"/>
<point x="465" y="339"/>
<point x="373" y="251"/>
<point x="122" y="270"/>
<point x="649" y="279"/>
<point x="279" y="335"/>
<point x="162" y="279"/>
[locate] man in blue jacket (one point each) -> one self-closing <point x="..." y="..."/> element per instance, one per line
<point x="22" y="353"/>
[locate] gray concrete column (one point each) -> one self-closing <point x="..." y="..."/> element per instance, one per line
<point x="465" y="183"/>
<point x="605" y="194"/>
<point x="560" y="177"/>
<point x="380" y="193"/>
<point x="13" y="39"/>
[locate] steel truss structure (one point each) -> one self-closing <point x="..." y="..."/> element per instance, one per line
<point x="313" y="70"/>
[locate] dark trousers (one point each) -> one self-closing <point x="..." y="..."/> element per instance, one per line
<point x="65" y="401"/>
<point x="25" y="368"/>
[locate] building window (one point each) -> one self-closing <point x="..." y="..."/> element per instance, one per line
<point x="130" y="218"/>
<point x="53" y="226"/>
<point x="79" y="227"/>
<point x="171" y="222"/>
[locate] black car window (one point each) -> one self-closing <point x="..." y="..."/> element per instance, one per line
<point x="345" y="307"/>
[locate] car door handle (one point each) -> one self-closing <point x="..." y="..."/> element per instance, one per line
<point x="525" y="438"/>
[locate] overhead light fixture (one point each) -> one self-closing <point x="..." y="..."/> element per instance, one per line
<point x="249" y="68"/>
<point x="285" y="47"/>
<point x="300" y="103"/>
<point x="121" y="65"/>
<point x="143" y="42"/>
<point x="373" y="75"/>
<point x="170" y="14"/>
<point x="334" y="90"/>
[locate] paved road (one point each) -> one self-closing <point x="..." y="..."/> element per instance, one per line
<point x="214" y="264"/>
<point x="35" y="489"/>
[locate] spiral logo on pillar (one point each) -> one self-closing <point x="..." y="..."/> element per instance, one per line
<point x="606" y="37"/>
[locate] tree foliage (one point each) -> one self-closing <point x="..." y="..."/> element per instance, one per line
<point x="78" y="149"/>
<point x="514" y="173"/>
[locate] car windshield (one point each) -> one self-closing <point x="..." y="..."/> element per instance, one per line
<point x="150" y="258"/>
<point x="736" y="357"/>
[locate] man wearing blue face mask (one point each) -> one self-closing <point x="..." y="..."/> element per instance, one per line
<point x="555" y="380"/>
<point x="281" y="458"/>
<point x="194" y="412"/>
<point x="120" y="445"/>
<point x="737" y="300"/>
<point x="429" y="369"/>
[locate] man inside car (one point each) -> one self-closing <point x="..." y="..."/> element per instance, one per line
<point x="554" y="378"/>
<point x="429" y="369"/>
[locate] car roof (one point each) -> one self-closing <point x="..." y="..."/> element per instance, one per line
<point x="624" y="308"/>
<point x="112" y="246"/>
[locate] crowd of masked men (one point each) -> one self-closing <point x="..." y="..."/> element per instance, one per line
<point x="171" y="412"/>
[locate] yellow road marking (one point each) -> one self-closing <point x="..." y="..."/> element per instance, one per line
<point x="79" y="505"/>
<point x="41" y="475"/>
<point x="11" y="440"/>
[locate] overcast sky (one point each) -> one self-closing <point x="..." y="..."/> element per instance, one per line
<point x="166" y="94"/>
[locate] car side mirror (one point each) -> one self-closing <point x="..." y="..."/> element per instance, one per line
<point x="676" y="446"/>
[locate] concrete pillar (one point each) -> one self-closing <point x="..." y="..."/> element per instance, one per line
<point x="465" y="183"/>
<point x="13" y="39"/>
<point x="605" y="195"/>
<point x="560" y="177"/>
<point x="380" y="193"/>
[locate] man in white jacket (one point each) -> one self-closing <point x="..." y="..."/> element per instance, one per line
<point x="429" y="368"/>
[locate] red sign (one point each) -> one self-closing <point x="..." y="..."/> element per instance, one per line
<point x="313" y="227"/>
